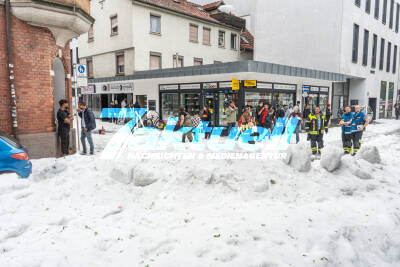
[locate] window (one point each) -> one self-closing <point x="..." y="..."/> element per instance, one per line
<point x="233" y="41"/>
<point x="356" y="29"/>
<point x="376" y="12"/>
<point x="397" y="17"/>
<point x="221" y="38"/>
<point x="197" y="61"/>
<point x="155" y="24"/>
<point x="357" y="3"/>
<point x="178" y="61"/>
<point x="381" y="59"/>
<point x="374" y="49"/>
<point x="365" y="48"/>
<point x="391" y="14"/>
<point x="155" y="61"/>
<point x="120" y="64"/>
<point x="206" y="36"/>
<point x="89" y="65"/>
<point x="384" y="11"/>
<point x="394" y="59"/>
<point x="368" y="6"/>
<point x="389" y="54"/>
<point x="194" y="33"/>
<point x="90" y="34"/>
<point x="114" y="25"/>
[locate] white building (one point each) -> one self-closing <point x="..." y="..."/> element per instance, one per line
<point x="357" y="38"/>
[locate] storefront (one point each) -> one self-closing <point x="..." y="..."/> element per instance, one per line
<point x="316" y="96"/>
<point x="217" y="95"/>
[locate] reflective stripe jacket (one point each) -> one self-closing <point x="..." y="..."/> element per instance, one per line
<point x="347" y="129"/>
<point x="311" y="125"/>
<point x="358" y="120"/>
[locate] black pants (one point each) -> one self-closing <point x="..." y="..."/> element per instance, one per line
<point x="317" y="139"/>
<point x="64" y="136"/>
<point x="356" y="138"/>
<point x="347" y="140"/>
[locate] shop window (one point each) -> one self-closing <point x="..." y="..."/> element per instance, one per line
<point x="389" y="54"/>
<point x="178" y="61"/>
<point x="365" y="48"/>
<point x="169" y="105"/>
<point x="114" y="25"/>
<point x="89" y="63"/>
<point x="91" y="34"/>
<point x="374" y="50"/>
<point x="376" y="10"/>
<point x="381" y="59"/>
<point x="194" y="33"/>
<point x="197" y="61"/>
<point x="191" y="102"/>
<point x="206" y="36"/>
<point x="120" y="59"/>
<point x="384" y="13"/>
<point x="233" y="41"/>
<point x="221" y="39"/>
<point x="155" y="24"/>
<point x="356" y="30"/>
<point x="155" y="61"/>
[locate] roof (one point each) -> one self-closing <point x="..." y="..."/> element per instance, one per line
<point x="214" y="5"/>
<point x="249" y="38"/>
<point x="183" y="7"/>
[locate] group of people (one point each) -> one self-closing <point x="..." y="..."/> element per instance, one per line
<point x="121" y="116"/>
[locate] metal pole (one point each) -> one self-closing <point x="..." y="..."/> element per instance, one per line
<point x="75" y="86"/>
<point x="11" y="70"/>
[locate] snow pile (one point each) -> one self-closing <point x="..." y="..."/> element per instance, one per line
<point x="370" y="154"/>
<point x="142" y="177"/>
<point x="299" y="157"/>
<point x="331" y="158"/>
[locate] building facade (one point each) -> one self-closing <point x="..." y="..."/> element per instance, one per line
<point x="40" y="31"/>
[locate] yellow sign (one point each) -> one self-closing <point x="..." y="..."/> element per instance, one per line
<point x="235" y="84"/>
<point x="250" y="83"/>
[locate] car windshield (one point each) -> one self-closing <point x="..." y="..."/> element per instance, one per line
<point x="10" y="140"/>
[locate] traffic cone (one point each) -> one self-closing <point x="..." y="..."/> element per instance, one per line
<point x="103" y="132"/>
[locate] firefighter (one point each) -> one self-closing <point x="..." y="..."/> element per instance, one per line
<point x="316" y="125"/>
<point x="359" y="123"/>
<point x="347" y="127"/>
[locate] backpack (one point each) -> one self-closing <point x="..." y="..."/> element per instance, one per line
<point x="187" y="121"/>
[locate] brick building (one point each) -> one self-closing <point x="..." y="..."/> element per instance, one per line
<point x="40" y="31"/>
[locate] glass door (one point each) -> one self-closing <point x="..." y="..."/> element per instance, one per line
<point x="170" y="105"/>
<point x="210" y="100"/>
<point x="323" y="102"/>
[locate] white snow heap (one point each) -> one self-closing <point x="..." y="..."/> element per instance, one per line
<point x="122" y="174"/>
<point x="370" y="154"/>
<point x="331" y="158"/>
<point x="299" y="157"/>
<point x="142" y="177"/>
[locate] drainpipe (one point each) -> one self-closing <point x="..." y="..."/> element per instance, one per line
<point x="11" y="70"/>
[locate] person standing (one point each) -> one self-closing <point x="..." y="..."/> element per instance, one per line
<point x="258" y="112"/>
<point x="231" y="116"/>
<point x="359" y="123"/>
<point x="123" y="103"/>
<point x="346" y="123"/>
<point x="64" y="124"/>
<point x="316" y="127"/>
<point x="299" y="116"/>
<point x="88" y="125"/>
<point x="185" y="120"/>
<point x="262" y="115"/>
<point x="206" y="117"/>
<point x="328" y="114"/>
<point x="245" y="118"/>
<point x="397" y="110"/>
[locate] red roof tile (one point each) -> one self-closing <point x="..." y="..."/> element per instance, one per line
<point x="214" y="5"/>
<point x="183" y="6"/>
<point x="250" y="38"/>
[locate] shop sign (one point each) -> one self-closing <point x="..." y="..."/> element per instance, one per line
<point x="264" y="85"/>
<point x="250" y="83"/>
<point x="235" y="84"/>
<point x="285" y="86"/>
<point x="225" y="85"/>
<point x="209" y="85"/>
<point x="324" y="89"/>
<point x="306" y="89"/>
<point x="88" y="89"/>
<point x="169" y="87"/>
<point x="105" y="88"/>
<point x="121" y="87"/>
<point x="314" y="89"/>
<point x="190" y="86"/>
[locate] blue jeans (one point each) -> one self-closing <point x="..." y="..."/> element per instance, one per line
<point x="88" y="135"/>
<point x="297" y="131"/>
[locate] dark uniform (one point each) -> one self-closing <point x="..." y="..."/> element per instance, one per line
<point x="358" y="121"/>
<point x="316" y="126"/>
<point x="347" y="132"/>
<point x="63" y="130"/>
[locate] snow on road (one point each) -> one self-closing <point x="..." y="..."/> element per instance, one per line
<point x="83" y="211"/>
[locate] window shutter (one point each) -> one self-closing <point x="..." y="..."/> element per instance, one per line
<point x="206" y="36"/>
<point x="194" y="33"/>
<point x="121" y="60"/>
<point x="155" y="62"/>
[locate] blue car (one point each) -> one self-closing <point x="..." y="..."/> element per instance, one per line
<point x="14" y="157"/>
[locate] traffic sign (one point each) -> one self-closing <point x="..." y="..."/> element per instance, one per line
<point x="81" y="70"/>
<point x="235" y="84"/>
<point x="306" y="89"/>
<point x="250" y="83"/>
